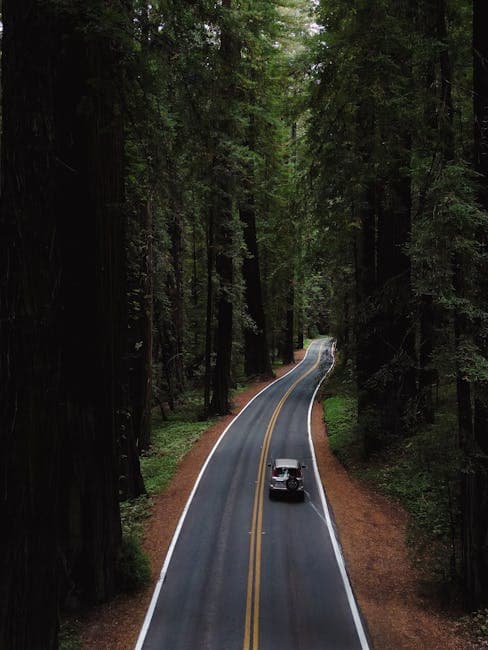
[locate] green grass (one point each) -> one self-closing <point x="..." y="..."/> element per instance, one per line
<point x="340" y="418"/>
<point x="171" y="440"/>
<point x="133" y="569"/>
<point x="132" y="515"/>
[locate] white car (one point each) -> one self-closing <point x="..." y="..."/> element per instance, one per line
<point x="286" y="478"/>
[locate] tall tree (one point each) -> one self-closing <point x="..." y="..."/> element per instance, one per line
<point x="63" y="311"/>
<point x="473" y="405"/>
<point x="229" y="55"/>
<point x="256" y="355"/>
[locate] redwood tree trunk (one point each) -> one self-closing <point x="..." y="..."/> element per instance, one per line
<point x="366" y="345"/>
<point x="223" y="175"/>
<point x="256" y="355"/>
<point x="395" y="323"/>
<point x="62" y="311"/>
<point x="209" y="315"/>
<point x="223" y="346"/>
<point x="31" y="431"/>
<point x="473" y="423"/>
<point x="287" y="347"/>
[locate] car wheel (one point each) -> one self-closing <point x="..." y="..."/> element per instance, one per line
<point x="292" y="484"/>
<point x="301" y="496"/>
<point x="271" y="494"/>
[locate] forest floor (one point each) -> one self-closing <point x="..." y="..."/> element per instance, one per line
<point x="372" y="532"/>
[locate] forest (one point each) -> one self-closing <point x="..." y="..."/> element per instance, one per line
<point x="189" y="190"/>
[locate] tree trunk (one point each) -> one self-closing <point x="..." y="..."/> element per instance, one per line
<point x="395" y="323"/>
<point x="31" y="429"/>
<point x="473" y="413"/>
<point x="223" y="346"/>
<point x="223" y="174"/>
<point x="63" y="305"/>
<point x="209" y="315"/>
<point x="94" y="299"/>
<point x="148" y="310"/>
<point x="366" y="345"/>
<point x="256" y="355"/>
<point x="177" y="297"/>
<point x="141" y="323"/>
<point x="287" y="347"/>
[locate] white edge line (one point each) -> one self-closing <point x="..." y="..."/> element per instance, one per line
<point x="169" y="554"/>
<point x="335" y="543"/>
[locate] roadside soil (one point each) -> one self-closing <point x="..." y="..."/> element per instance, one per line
<point x="371" y="531"/>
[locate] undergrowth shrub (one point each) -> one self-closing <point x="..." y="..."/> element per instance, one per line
<point x="133" y="566"/>
<point x="69" y="636"/>
<point x="420" y="471"/>
<point x="172" y="438"/>
<point x="340" y="417"/>
<point x="476" y="625"/>
<point x="133" y="513"/>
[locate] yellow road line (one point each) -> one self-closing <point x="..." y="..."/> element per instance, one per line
<point x="254" y="572"/>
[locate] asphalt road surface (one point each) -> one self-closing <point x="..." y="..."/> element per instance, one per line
<point x="248" y="573"/>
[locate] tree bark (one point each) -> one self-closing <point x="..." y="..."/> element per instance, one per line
<point x="287" y="347"/>
<point x="223" y="173"/>
<point x="209" y="315"/>
<point x="177" y="295"/>
<point x="31" y="430"/>
<point x="366" y="345"/>
<point x="256" y="355"/>
<point x="63" y="318"/>
<point x="473" y="408"/>
<point x="395" y="322"/>
<point x="141" y="322"/>
<point x="221" y="377"/>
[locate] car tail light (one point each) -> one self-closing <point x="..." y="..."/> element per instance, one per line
<point x="273" y="473"/>
<point x="299" y="473"/>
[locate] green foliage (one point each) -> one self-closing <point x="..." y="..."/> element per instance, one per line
<point x="340" y="414"/>
<point x="133" y="569"/>
<point x="69" y="636"/>
<point x="422" y="474"/>
<point x="172" y="439"/>
<point x="476" y="626"/>
<point x="133" y="513"/>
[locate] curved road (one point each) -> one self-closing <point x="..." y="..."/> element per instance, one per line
<point x="248" y="573"/>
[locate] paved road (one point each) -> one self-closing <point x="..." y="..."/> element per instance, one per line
<point x="248" y="573"/>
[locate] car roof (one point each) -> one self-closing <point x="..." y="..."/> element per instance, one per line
<point x="286" y="462"/>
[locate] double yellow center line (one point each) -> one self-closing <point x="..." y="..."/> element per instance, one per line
<point x="251" y="632"/>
